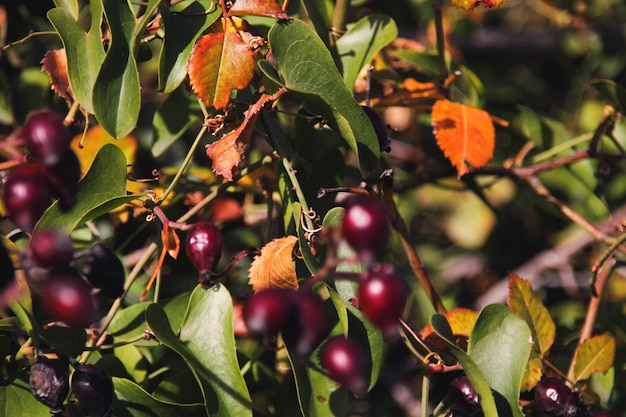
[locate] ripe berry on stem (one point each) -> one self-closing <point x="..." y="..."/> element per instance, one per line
<point x="93" y="389"/>
<point x="366" y="227"/>
<point x="553" y="396"/>
<point x="66" y="297"/>
<point x="346" y="362"/>
<point x="204" y="249"/>
<point x="50" y="248"/>
<point x="46" y="137"/>
<point x="307" y="326"/>
<point x="26" y="195"/>
<point x="382" y="296"/>
<point x="266" y="312"/>
<point x="464" y="396"/>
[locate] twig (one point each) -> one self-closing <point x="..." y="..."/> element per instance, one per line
<point x="441" y="40"/>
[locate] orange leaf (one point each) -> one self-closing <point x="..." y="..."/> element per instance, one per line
<point x="226" y="153"/>
<point x="267" y="8"/>
<point x="595" y="354"/>
<point x="219" y="63"/>
<point x="171" y="241"/>
<point x="461" y="321"/>
<point x="55" y="64"/>
<point x="465" y="134"/>
<point x="274" y="267"/>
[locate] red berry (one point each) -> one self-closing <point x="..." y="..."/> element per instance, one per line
<point x="67" y="297"/>
<point x="93" y="389"/>
<point x="307" y="326"/>
<point x="204" y="249"/>
<point x="46" y="137"/>
<point x="464" y="395"/>
<point x="602" y="414"/>
<point x="51" y="248"/>
<point x="366" y="227"/>
<point x="26" y="195"/>
<point x="346" y="362"/>
<point x="267" y="311"/>
<point x="49" y="384"/>
<point x="382" y="296"/>
<point x="553" y="396"/>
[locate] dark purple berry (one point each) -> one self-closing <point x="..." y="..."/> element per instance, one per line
<point x="93" y="389"/>
<point x="50" y="248"/>
<point x="266" y="312"/>
<point x="66" y="297"/>
<point x="382" y="296"/>
<point x="464" y="396"/>
<point x="307" y="326"/>
<point x="366" y="227"/>
<point x="49" y="383"/>
<point x="346" y="362"/>
<point x="26" y="195"/>
<point x="46" y="137"/>
<point x="602" y="414"/>
<point x="6" y="266"/>
<point x="63" y="177"/>
<point x="104" y="270"/>
<point x="204" y="249"/>
<point x="553" y="396"/>
<point x="379" y="127"/>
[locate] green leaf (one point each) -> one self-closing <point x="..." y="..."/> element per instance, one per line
<point x="138" y="403"/>
<point x="595" y="354"/>
<point x="613" y="92"/>
<point x="100" y="191"/>
<point x="16" y="400"/>
<point x="523" y="302"/>
<point x="500" y="345"/>
<point x="184" y="23"/>
<point x="68" y="341"/>
<point x="129" y="321"/>
<point x="11" y="325"/>
<point x="472" y="370"/>
<point x="116" y="93"/>
<point x="6" y="106"/>
<point x="309" y="71"/>
<point x="174" y="116"/>
<point x="361" y="42"/>
<point x="70" y="5"/>
<point x="84" y="50"/>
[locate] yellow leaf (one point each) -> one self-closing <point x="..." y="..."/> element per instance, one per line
<point x="595" y="354"/>
<point x="94" y="140"/>
<point x="274" y="267"/>
<point x="524" y="304"/>
<point x="532" y="373"/>
<point x="465" y="134"/>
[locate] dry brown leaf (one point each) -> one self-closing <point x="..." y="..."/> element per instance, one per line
<point x="227" y="152"/>
<point x="274" y="267"/>
<point x="54" y="63"/>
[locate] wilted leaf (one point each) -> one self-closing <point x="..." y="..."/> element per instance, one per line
<point x="226" y="153"/>
<point x="523" y="302"/>
<point x="219" y="63"/>
<point x="595" y="354"/>
<point x="54" y="63"/>
<point x="267" y="8"/>
<point x="171" y="241"/>
<point x="532" y="373"/>
<point x="274" y="267"/>
<point x="465" y="134"/>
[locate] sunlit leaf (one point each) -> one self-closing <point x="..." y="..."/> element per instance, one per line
<point x="267" y="8"/>
<point x="274" y="267"/>
<point x="532" y="373"/>
<point x="84" y="50"/>
<point x="54" y="63"/>
<point x="183" y="22"/>
<point x="595" y="354"/>
<point x="219" y="63"/>
<point x="361" y="42"/>
<point x="138" y="403"/>
<point x="87" y="147"/>
<point x="226" y="153"/>
<point x="461" y="321"/>
<point x="17" y="400"/>
<point x="116" y="92"/>
<point x="71" y="5"/>
<point x="465" y="134"/>
<point x="308" y="69"/>
<point x="613" y="92"/>
<point x="523" y="302"/>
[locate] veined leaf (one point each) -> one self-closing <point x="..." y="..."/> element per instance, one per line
<point x="465" y="134"/>
<point x="523" y="302"/>
<point x="219" y="63"/>
<point x="138" y="403"/>
<point x="116" y="93"/>
<point x="361" y="42"/>
<point x="70" y="5"/>
<point x="308" y="69"/>
<point x="84" y="50"/>
<point x="595" y="354"/>
<point x="267" y="8"/>
<point x="274" y="267"/>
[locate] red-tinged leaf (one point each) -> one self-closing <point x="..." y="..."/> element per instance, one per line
<point x="227" y="152"/>
<point x="465" y="134"/>
<point x="54" y="63"/>
<point x="523" y="302"/>
<point x="171" y="241"/>
<point x="219" y="63"/>
<point x="267" y="8"/>
<point x="532" y="373"/>
<point x="274" y="267"/>
<point x="595" y="354"/>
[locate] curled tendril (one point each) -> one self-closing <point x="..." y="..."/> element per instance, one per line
<point x="427" y="363"/>
<point x="310" y="232"/>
